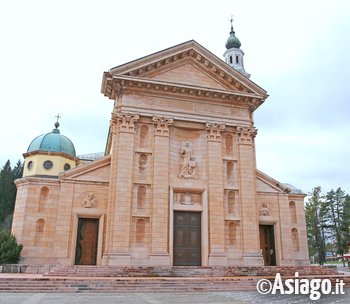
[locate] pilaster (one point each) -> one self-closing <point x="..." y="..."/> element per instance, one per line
<point x="123" y="125"/>
<point x="160" y="206"/>
<point x="250" y="220"/>
<point x="217" y="254"/>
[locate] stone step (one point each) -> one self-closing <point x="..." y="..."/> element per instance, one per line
<point x="165" y="284"/>
<point x="123" y="284"/>
<point x="178" y="271"/>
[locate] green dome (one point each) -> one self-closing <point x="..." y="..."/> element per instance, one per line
<point x="52" y="142"/>
<point x="233" y="41"/>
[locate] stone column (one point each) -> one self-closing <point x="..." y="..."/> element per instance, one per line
<point x="250" y="220"/>
<point x="121" y="187"/>
<point x="217" y="254"/>
<point x="160" y="205"/>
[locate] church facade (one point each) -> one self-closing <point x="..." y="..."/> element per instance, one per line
<point x="178" y="183"/>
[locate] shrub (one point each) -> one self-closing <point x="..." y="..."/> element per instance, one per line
<point x="10" y="250"/>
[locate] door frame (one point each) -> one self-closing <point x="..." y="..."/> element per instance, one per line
<point x="203" y="209"/>
<point x="273" y="228"/>
<point x="74" y="234"/>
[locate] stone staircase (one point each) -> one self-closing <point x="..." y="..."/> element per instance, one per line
<point x="95" y="284"/>
<point x="187" y="271"/>
<point x="157" y="279"/>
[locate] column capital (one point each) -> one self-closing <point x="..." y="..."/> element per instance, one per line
<point x="214" y="131"/>
<point x="246" y="134"/>
<point x="123" y="122"/>
<point x="162" y="124"/>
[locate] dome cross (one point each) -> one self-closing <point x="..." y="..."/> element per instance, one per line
<point x="57" y="124"/>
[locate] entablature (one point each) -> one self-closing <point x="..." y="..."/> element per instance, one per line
<point x="119" y="85"/>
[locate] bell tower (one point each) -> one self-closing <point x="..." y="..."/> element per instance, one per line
<point x="233" y="54"/>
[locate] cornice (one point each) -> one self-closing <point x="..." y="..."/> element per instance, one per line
<point x="145" y="66"/>
<point x="130" y="84"/>
<point x="36" y="180"/>
<point x="40" y="152"/>
<point x="136" y="75"/>
<point x="85" y="168"/>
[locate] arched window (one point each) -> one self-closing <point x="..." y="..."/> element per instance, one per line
<point x="295" y="239"/>
<point x="229" y="144"/>
<point x="143" y="136"/>
<point x="232" y="233"/>
<point x="142" y="162"/>
<point x="44" y="196"/>
<point x="229" y="168"/>
<point x="40" y="225"/>
<point x="237" y="59"/>
<point x="141" y="197"/>
<point x="292" y="212"/>
<point x="140" y="230"/>
<point x="231" y="201"/>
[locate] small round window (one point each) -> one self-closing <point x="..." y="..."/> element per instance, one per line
<point x="66" y="167"/>
<point x="48" y="164"/>
<point x="30" y="165"/>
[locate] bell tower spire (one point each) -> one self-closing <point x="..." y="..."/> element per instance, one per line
<point x="233" y="54"/>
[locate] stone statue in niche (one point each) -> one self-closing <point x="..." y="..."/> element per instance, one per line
<point x="90" y="201"/>
<point x="186" y="200"/>
<point x="265" y="210"/>
<point x="189" y="165"/>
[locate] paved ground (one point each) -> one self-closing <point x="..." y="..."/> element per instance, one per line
<point x="168" y="298"/>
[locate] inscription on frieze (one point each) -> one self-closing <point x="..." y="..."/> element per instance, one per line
<point x="186" y="106"/>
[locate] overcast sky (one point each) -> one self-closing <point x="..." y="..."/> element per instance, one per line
<point x="53" y="55"/>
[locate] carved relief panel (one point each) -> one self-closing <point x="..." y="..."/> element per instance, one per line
<point x="187" y="198"/>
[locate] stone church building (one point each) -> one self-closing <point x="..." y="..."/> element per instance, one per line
<point x="177" y="184"/>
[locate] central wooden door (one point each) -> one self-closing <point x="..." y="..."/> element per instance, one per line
<point x="267" y="244"/>
<point x="187" y="238"/>
<point x="87" y="237"/>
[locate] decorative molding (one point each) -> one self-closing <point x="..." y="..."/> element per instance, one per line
<point x="90" y="201"/>
<point x="132" y="85"/>
<point x="124" y="122"/>
<point x="246" y="134"/>
<point x="214" y="131"/>
<point x="162" y="125"/>
<point x="113" y="124"/>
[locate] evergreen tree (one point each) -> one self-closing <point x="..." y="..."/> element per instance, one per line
<point x="10" y="250"/>
<point x="335" y="202"/>
<point x="315" y="215"/>
<point x="8" y="192"/>
<point x="345" y="226"/>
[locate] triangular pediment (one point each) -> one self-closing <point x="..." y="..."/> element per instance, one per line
<point x="265" y="183"/>
<point x="96" y="171"/>
<point x="190" y="74"/>
<point x="188" y="63"/>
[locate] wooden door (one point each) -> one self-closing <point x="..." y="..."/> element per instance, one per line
<point x="187" y="238"/>
<point x="87" y="237"/>
<point x="267" y="244"/>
